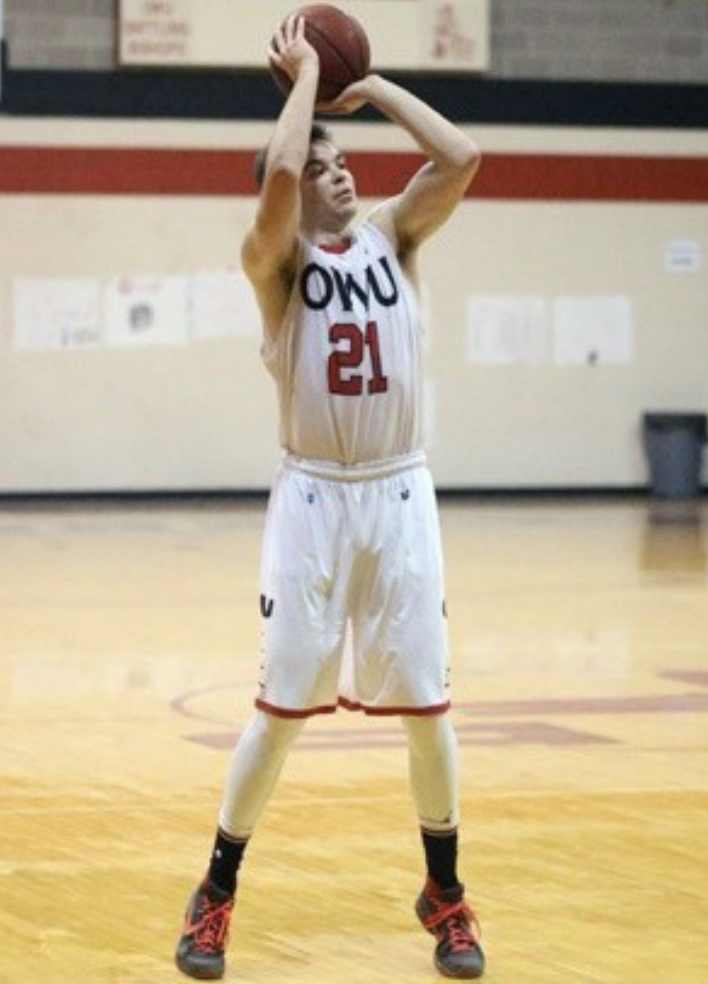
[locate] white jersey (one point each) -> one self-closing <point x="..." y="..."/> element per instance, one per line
<point x="347" y="360"/>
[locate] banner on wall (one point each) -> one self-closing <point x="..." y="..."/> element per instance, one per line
<point x="2" y="45"/>
<point x="404" y="34"/>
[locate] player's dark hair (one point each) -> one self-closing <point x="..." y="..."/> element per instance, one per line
<point x="318" y="134"/>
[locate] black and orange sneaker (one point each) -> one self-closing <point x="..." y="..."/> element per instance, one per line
<point x="445" y="914"/>
<point x="200" y="952"/>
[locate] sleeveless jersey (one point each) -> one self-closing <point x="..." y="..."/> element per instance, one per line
<point x="347" y="360"/>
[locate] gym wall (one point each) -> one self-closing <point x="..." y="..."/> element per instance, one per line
<point x="568" y="295"/>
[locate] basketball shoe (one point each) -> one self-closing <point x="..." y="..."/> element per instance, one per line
<point x="200" y="952"/>
<point x="445" y="914"/>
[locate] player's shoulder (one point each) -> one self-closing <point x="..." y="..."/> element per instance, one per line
<point x="379" y="225"/>
<point x="382" y="222"/>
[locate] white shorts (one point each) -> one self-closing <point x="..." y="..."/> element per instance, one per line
<point x="352" y="592"/>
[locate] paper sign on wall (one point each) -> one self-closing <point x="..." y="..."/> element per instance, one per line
<point x="683" y="256"/>
<point x="145" y="311"/>
<point x="56" y="314"/>
<point x="593" y="330"/>
<point x="506" y="330"/>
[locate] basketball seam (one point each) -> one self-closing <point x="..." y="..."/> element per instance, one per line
<point x="362" y="43"/>
<point x="351" y="70"/>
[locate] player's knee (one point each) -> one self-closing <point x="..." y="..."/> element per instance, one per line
<point x="274" y="733"/>
<point x="431" y="735"/>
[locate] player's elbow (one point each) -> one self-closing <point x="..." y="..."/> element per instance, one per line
<point x="284" y="165"/>
<point x="466" y="158"/>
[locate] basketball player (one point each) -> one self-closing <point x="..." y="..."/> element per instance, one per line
<point x="352" y="580"/>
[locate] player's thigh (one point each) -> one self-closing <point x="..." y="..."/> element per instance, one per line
<point x="303" y="571"/>
<point x="403" y="598"/>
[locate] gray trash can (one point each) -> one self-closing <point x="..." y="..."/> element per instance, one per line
<point x="674" y="447"/>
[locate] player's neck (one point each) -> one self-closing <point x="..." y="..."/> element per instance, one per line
<point x="336" y="241"/>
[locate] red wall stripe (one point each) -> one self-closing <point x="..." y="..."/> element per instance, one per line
<point x="594" y="178"/>
<point x="197" y="172"/>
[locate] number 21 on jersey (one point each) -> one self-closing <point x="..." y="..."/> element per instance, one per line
<point x="352" y="346"/>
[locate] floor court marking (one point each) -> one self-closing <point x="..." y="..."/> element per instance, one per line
<point x="512" y="728"/>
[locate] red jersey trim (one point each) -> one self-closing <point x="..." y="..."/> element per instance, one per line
<point x="388" y="711"/>
<point x="285" y="712"/>
<point x="342" y="247"/>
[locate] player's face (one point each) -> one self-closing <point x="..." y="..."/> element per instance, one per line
<point x="328" y="191"/>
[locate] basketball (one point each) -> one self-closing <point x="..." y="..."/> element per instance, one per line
<point x="342" y="45"/>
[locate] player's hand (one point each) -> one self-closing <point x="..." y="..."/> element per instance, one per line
<point x="289" y="50"/>
<point x="352" y="98"/>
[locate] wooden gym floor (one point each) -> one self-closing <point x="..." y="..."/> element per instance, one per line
<point x="128" y="654"/>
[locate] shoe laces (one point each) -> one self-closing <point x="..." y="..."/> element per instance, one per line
<point x="211" y="931"/>
<point x="452" y="923"/>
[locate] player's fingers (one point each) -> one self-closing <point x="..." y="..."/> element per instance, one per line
<point x="277" y="41"/>
<point x="299" y="23"/>
<point x="291" y="27"/>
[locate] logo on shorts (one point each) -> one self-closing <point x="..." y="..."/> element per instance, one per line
<point x="266" y="606"/>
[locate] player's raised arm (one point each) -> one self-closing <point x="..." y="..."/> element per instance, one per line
<point x="270" y="243"/>
<point x="433" y="193"/>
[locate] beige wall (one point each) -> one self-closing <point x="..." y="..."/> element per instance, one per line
<point x="202" y="415"/>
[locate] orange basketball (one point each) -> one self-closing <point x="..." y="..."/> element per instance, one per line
<point x="342" y="45"/>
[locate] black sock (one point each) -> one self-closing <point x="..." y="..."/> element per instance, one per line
<point x="441" y="856"/>
<point x="225" y="861"/>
